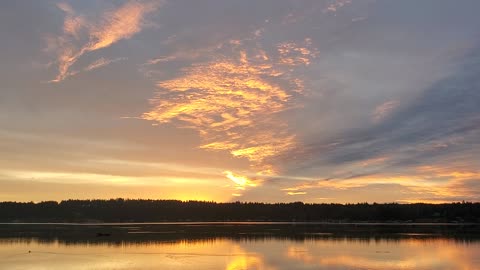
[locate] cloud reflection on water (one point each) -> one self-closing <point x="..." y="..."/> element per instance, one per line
<point x="228" y="254"/>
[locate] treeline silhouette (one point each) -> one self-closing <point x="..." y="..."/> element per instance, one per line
<point x="127" y="210"/>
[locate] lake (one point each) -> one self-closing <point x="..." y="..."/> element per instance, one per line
<point x="239" y="246"/>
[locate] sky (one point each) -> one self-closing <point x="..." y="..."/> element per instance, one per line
<point x="318" y="101"/>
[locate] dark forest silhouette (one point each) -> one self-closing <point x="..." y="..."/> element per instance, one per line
<point x="126" y="210"/>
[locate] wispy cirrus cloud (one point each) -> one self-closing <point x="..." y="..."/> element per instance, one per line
<point x="424" y="184"/>
<point x="438" y="126"/>
<point x="103" y="62"/>
<point x="82" y="34"/>
<point x="73" y="23"/>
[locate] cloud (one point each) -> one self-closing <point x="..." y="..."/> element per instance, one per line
<point x="102" y="62"/>
<point x="384" y="110"/>
<point x="234" y="100"/>
<point x="432" y="183"/>
<point x="82" y="35"/>
<point x="223" y="100"/>
<point x="241" y="182"/>
<point x="237" y="94"/>
<point x="72" y="24"/>
<point x="293" y="193"/>
<point x="292" y="54"/>
<point x="435" y="124"/>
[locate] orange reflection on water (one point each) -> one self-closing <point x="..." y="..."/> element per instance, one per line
<point x="227" y="254"/>
<point x="247" y="261"/>
<point x="386" y="254"/>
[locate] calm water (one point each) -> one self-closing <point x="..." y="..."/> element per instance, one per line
<point x="236" y="247"/>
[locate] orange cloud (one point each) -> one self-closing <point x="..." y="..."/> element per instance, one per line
<point x="113" y="26"/>
<point x="294" y="54"/>
<point x="373" y="161"/>
<point x="457" y="184"/>
<point x="448" y="172"/>
<point x="234" y="100"/>
<point x="233" y="104"/>
<point x="427" y="184"/>
<point x="72" y="24"/>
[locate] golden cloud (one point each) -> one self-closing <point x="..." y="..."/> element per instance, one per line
<point x="293" y="193"/>
<point x="241" y="182"/>
<point x="234" y="100"/>
<point x="113" y="26"/>
<point x="231" y="104"/>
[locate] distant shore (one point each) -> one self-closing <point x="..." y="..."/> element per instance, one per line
<point x="141" y="211"/>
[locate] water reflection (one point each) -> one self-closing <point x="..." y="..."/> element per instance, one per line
<point x="229" y="254"/>
<point x="405" y="254"/>
<point x="238" y="247"/>
<point x="244" y="260"/>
